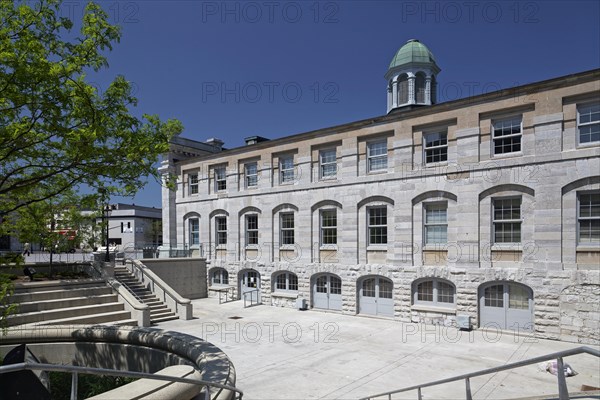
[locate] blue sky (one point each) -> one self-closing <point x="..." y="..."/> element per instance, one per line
<point x="276" y="68"/>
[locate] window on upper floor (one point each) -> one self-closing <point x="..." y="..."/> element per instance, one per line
<point x="435" y="147"/>
<point x="507" y="135"/>
<point x="251" y="229"/>
<point x="220" y="179"/>
<point x="328" y="227"/>
<point x="433" y="292"/>
<point x="377" y="225"/>
<point x="193" y="183"/>
<point x="286" y="282"/>
<point x="588" y="219"/>
<point x="286" y="169"/>
<point x="286" y="228"/>
<point x="588" y="123"/>
<point x="194" y="229"/>
<point x="251" y="173"/>
<point x="327" y="164"/>
<point x="220" y="231"/>
<point x="507" y="220"/>
<point x="377" y="158"/>
<point x="435" y="223"/>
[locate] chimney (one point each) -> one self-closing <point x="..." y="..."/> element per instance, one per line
<point x="216" y="143"/>
<point x="254" y="139"/>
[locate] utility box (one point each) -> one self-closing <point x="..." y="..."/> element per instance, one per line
<point x="301" y="304"/>
<point x="463" y="322"/>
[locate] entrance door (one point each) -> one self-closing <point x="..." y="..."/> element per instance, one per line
<point x="506" y="305"/>
<point x="375" y="297"/>
<point x="249" y="283"/>
<point x="327" y="292"/>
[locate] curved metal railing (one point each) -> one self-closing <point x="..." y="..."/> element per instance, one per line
<point x="563" y="392"/>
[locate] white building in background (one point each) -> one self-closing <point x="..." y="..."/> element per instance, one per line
<point x="486" y="207"/>
<point x="134" y="227"/>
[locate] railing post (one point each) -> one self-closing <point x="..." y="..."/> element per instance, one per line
<point x="74" y="381"/>
<point x="563" y="391"/>
<point x="207" y="393"/>
<point x="419" y="394"/>
<point x="468" y="387"/>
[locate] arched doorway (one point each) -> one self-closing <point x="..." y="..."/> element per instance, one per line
<point x="327" y="292"/>
<point x="506" y="305"/>
<point x="249" y="282"/>
<point x="376" y="296"/>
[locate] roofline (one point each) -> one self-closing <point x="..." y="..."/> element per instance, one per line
<point x="398" y="115"/>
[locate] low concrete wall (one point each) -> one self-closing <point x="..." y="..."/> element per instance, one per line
<point x="187" y="276"/>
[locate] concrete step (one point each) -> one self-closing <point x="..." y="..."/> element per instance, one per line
<point x="164" y="319"/>
<point x="54" y="304"/>
<point x="61" y="313"/>
<point x="107" y="318"/>
<point x="53" y="294"/>
<point x="43" y="286"/>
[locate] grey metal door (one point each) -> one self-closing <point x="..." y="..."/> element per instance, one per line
<point x="375" y="297"/>
<point x="250" y="283"/>
<point x="327" y="292"/>
<point x="506" y="306"/>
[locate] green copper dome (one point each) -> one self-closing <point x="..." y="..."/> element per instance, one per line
<point x="412" y="52"/>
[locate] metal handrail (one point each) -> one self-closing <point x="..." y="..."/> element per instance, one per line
<point x="563" y="393"/>
<point x="113" y="372"/>
<point x="251" y="302"/>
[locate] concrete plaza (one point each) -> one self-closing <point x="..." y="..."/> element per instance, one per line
<point x="282" y="353"/>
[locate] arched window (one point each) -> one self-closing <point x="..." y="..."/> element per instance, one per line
<point x="219" y="276"/>
<point x="285" y="282"/>
<point x="434" y="292"/>
<point x="433" y="90"/>
<point x="420" y="88"/>
<point x="403" y="89"/>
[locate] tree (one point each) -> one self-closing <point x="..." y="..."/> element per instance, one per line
<point x="57" y="132"/>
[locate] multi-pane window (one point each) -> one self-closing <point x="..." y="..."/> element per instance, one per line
<point x="588" y="123"/>
<point x="193" y="183"/>
<point x="286" y="281"/>
<point x="494" y="296"/>
<point x="327" y="164"/>
<point x="377" y="225"/>
<point x="251" y="229"/>
<point x="328" y="227"/>
<point x="507" y="220"/>
<point x="589" y="218"/>
<point x="194" y="225"/>
<point x="220" y="179"/>
<point x="287" y="228"/>
<point x="518" y="297"/>
<point x="436" y="223"/>
<point x="377" y="156"/>
<point x="221" y="230"/>
<point x="434" y="292"/>
<point x="219" y="276"/>
<point x="251" y="172"/>
<point x="286" y="168"/>
<point x="436" y="147"/>
<point x="507" y="135"/>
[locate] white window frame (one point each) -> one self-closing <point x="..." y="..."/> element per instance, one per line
<point x="287" y="172"/>
<point x="377" y="226"/>
<point x="194" y="234"/>
<point x="220" y="174"/>
<point x="251" y="176"/>
<point x="325" y="163"/>
<point x="323" y="229"/>
<point x="594" y="109"/>
<point x="283" y="230"/>
<point x="193" y="183"/>
<point x="374" y="158"/>
<point x="443" y="148"/>
<point x="288" y="285"/>
<point x="436" y="295"/>
<point x="251" y="232"/>
<point x="429" y="207"/>
<point x="590" y="218"/>
<point x="518" y="221"/>
<point x="500" y="125"/>
<point x="220" y="233"/>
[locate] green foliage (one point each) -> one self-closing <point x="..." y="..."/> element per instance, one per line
<point x="88" y="385"/>
<point x="6" y="308"/>
<point x="57" y="132"/>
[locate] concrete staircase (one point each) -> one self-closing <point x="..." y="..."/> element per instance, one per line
<point x="159" y="311"/>
<point x="82" y="301"/>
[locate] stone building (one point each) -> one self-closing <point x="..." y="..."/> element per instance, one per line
<point x="486" y="207"/>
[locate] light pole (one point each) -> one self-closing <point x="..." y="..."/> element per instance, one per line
<point x="106" y="211"/>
